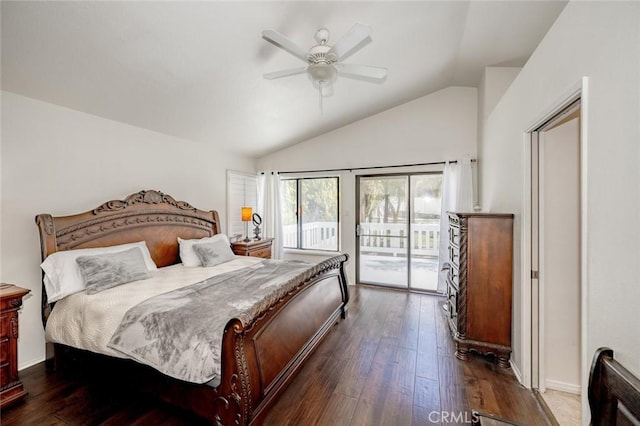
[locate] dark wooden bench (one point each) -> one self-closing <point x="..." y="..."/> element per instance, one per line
<point x="614" y="393"/>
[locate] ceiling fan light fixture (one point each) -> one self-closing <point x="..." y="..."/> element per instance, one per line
<point x="322" y="72"/>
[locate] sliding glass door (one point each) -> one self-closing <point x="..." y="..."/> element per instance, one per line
<point x="426" y="190"/>
<point x="382" y="230"/>
<point x="398" y="230"/>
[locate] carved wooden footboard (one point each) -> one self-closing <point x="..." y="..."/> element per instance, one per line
<point x="267" y="352"/>
<point x="614" y="393"/>
<point x="259" y="357"/>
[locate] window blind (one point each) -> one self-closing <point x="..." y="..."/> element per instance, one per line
<point x="242" y="191"/>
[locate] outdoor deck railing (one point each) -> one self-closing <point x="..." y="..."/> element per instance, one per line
<point x="315" y="235"/>
<point x="392" y="238"/>
<point x="389" y="238"/>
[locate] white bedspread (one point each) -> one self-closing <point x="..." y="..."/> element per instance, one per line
<point x="88" y="321"/>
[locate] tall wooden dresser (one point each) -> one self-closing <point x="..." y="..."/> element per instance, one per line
<point x="479" y="283"/>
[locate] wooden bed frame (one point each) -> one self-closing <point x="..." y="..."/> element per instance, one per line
<point x="614" y="393"/>
<point x="258" y="359"/>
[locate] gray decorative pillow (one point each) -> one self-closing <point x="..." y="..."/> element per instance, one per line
<point x="108" y="270"/>
<point x="214" y="253"/>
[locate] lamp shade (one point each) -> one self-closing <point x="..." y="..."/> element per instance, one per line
<point x="246" y="214"/>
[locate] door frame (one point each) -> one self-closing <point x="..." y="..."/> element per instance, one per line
<point x="530" y="296"/>
<point x="538" y="254"/>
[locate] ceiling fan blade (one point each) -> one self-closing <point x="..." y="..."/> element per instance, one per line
<point x="285" y="73"/>
<point x="358" y="36"/>
<point x="283" y="42"/>
<point x="363" y="72"/>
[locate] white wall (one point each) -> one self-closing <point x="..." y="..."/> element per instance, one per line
<point x="495" y="81"/>
<point x="60" y="161"/>
<point x="437" y="127"/>
<point x="600" y="40"/>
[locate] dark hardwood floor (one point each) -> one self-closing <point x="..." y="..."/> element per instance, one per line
<point x="390" y="362"/>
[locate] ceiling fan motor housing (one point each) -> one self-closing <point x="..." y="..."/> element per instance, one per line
<point x="321" y="65"/>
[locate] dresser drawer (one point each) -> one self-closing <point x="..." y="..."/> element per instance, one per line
<point x="4" y="351"/>
<point x="454" y="236"/>
<point x="5" y="323"/>
<point x="266" y="253"/>
<point x="453" y="304"/>
<point x="453" y="277"/>
<point x="454" y="256"/>
<point x="5" y="374"/>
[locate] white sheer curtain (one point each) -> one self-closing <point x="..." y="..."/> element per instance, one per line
<point x="457" y="196"/>
<point x="269" y="209"/>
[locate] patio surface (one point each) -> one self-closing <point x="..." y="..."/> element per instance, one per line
<point x="392" y="271"/>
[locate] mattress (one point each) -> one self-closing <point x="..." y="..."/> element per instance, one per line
<point x="88" y="321"/>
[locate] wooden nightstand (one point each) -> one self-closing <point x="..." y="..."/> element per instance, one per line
<point x="255" y="248"/>
<point x="11" y="389"/>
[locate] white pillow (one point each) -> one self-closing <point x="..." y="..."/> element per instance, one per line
<point x="188" y="255"/>
<point x="62" y="274"/>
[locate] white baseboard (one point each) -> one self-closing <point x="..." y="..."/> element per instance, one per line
<point x="516" y="372"/>
<point x="29" y="363"/>
<point x="563" y="387"/>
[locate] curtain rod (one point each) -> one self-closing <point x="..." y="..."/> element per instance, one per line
<point x="350" y="169"/>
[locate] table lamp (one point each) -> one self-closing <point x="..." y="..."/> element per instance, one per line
<point x="246" y="218"/>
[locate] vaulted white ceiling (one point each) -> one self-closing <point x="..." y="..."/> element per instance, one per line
<point x="194" y="69"/>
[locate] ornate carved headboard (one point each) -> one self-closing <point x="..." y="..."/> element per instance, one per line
<point x="149" y="216"/>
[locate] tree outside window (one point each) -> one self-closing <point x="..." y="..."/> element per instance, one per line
<point x="310" y="213"/>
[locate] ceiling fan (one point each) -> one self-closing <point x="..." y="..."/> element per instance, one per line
<point x="324" y="61"/>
